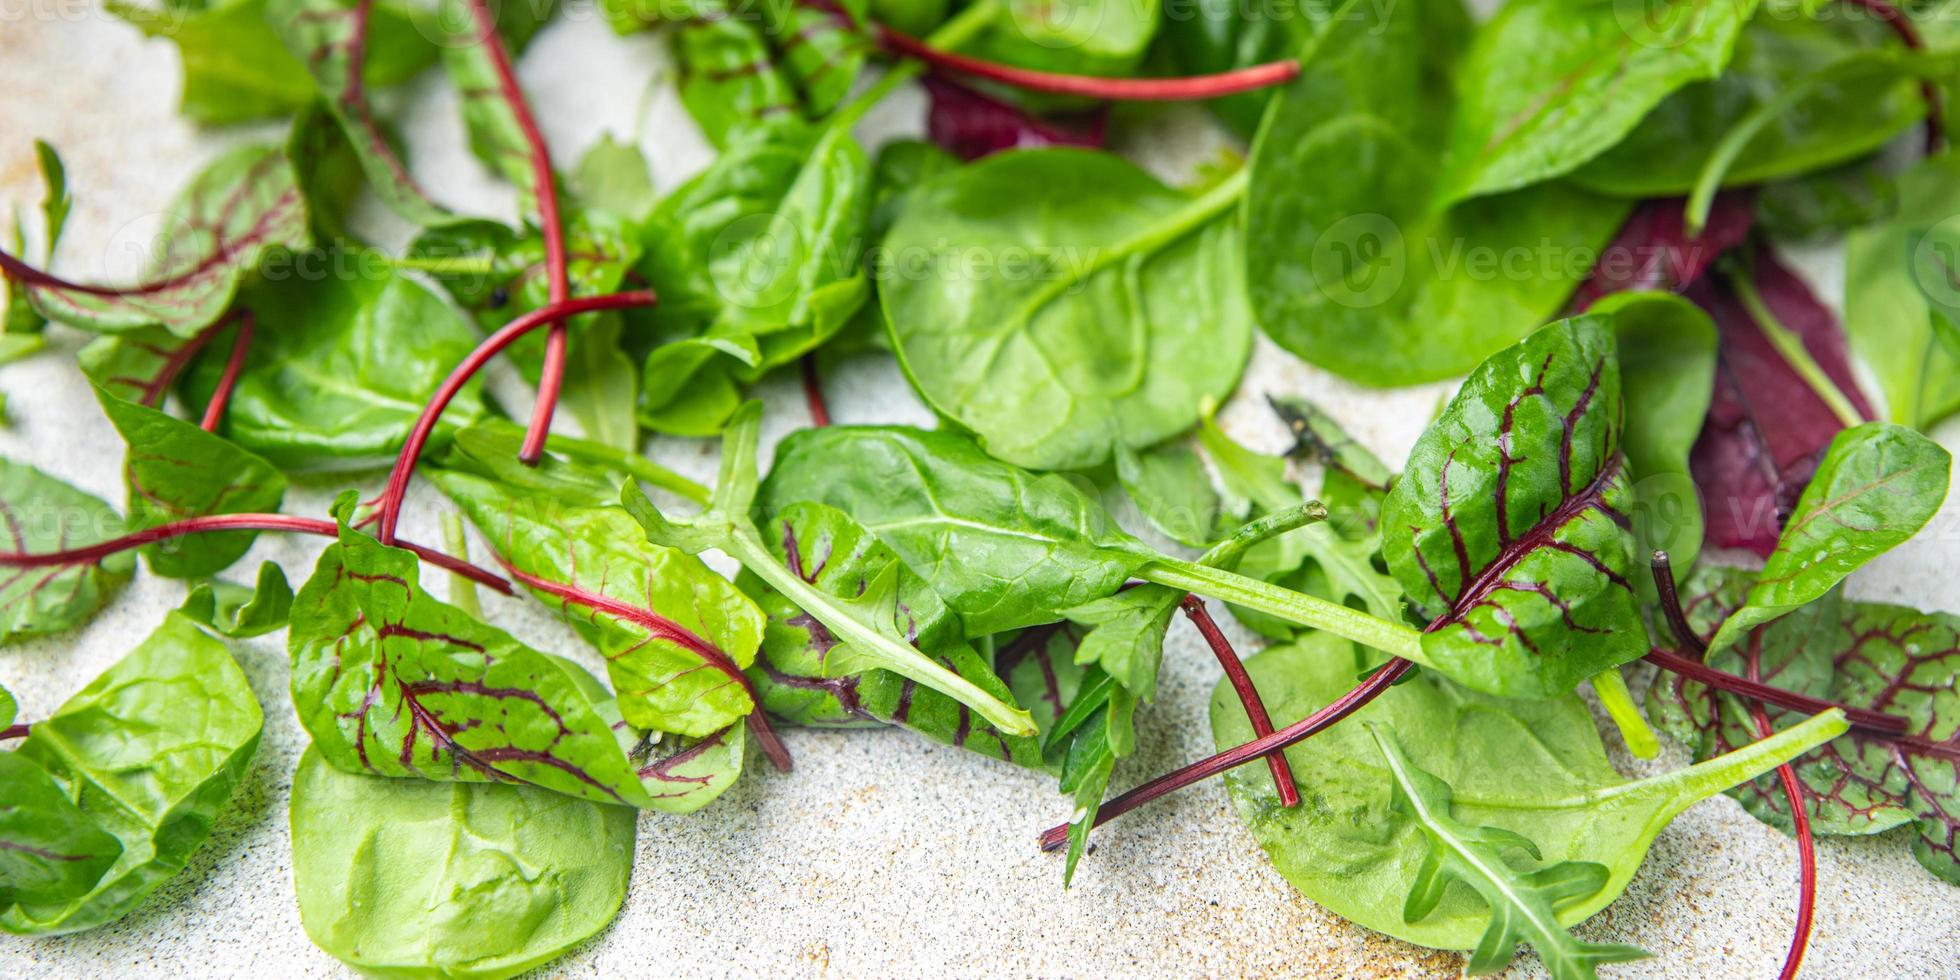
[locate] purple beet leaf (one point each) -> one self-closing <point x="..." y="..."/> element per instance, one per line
<point x="972" y="124"/>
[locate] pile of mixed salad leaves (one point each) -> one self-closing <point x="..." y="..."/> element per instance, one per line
<point x="1571" y="203"/>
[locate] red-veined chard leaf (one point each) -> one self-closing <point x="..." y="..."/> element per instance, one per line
<point x="729" y="78"/>
<point x="149" y="751"/>
<point x="40" y="514"/>
<point x="972" y="124"/>
<point x="175" y="470"/>
<point x="496" y="134"/>
<point x="1887" y="658"/>
<point x="50" y="851"/>
<point x="392" y="682"/>
<point x="1511" y="526"/>
<point x="241" y="205"/>
<point x="479" y="880"/>
<point x="140" y="366"/>
<point x="678" y="672"/>
<point x="1766" y="426"/>
<point x="1358" y="855"/>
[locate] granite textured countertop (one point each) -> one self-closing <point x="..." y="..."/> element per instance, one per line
<point x="881" y="854"/>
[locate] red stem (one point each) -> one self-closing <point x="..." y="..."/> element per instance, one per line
<point x="1902" y="25"/>
<point x="1094" y="86"/>
<point x="13" y="732"/>
<point x="234" y="522"/>
<point x="25" y="274"/>
<point x="813" y="392"/>
<point x="418" y="437"/>
<point x="666" y="629"/>
<point x="1381" y="680"/>
<point x="215" y="412"/>
<point x="173" y="365"/>
<point x="546" y="188"/>
<point x="1255" y="708"/>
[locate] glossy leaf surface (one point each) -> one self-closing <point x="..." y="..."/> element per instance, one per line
<point x="40" y="514"/>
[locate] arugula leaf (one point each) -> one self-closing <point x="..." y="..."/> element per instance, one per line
<point x="40" y="514"/>
<point x="1523" y="906"/>
<point x="50" y="851"/>
<point x="175" y="470"/>
<point x="1517" y="504"/>
<point x="1075" y="303"/>
<point x="1910" y="346"/>
<point x="1170" y="487"/>
<point x="1876" y="486"/>
<point x="1349" y="265"/>
<point x="239" y="612"/>
<point x="1867" y="655"/>
<point x="1610" y="65"/>
<point x="149" y="751"/>
<point x="451" y="879"/>
<point x="341" y="368"/>
<point x="234" y="211"/>
<point x="1352" y="851"/>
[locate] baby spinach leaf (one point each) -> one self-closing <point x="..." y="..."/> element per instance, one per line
<point x="1005" y="548"/>
<point x="1350" y="849"/>
<point x="1840" y="120"/>
<point x="414" y="879"/>
<point x="239" y="612"/>
<point x="1224" y="35"/>
<point x="1887" y="316"/>
<point x="1867" y="655"/>
<point x="1608" y="65"/>
<point x="1876" y="486"/>
<point x="175" y="470"/>
<point x="50" y="851"/>
<point x="40" y="514"/>
<point x="612" y="176"/>
<point x="679" y="673"/>
<point x="1073" y="302"/>
<point x="1169" y="485"/>
<point x="243" y="204"/>
<point x="341" y="368"/>
<point x="1523" y="906"/>
<point x="1082" y="37"/>
<point x="1348" y="263"/>
<point x="149" y="751"/>
<point x="392" y="682"/>
<point x="1517" y="506"/>
<point x="803" y="674"/>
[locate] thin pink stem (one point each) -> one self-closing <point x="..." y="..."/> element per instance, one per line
<point x="1094" y="86"/>
<point x="425" y="426"/>
<point x="13" y="732"/>
<point x="215" y="412"/>
<point x="813" y="392"/>
<point x="1255" y="708"/>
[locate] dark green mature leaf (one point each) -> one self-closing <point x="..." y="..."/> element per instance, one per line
<point x="1523" y="906"/>
<point x="341" y="367"/>
<point x="392" y="682"/>
<point x="1348" y="263"/>
<point x="40" y="514"/>
<point x="1868" y="655"/>
<point x="1827" y="204"/>
<point x="245" y="203"/>
<point x="1224" y="35"/>
<point x="1839" y="121"/>
<point x="1171" y="488"/>
<point x="50" y="851"/>
<point x="1071" y="302"/>
<point x="1535" y="768"/>
<point x="322" y="35"/>
<point x="480" y="880"/>
<point x="1666" y="348"/>
<point x="804" y="675"/>
<point x="1876" y="486"/>
<point x="1912" y="348"/>
<point x="1005" y="548"/>
<point x="1516" y="505"/>
<point x="677" y="672"/>
<point x="240" y="612"/>
<point x="1548" y="85"/>
<point x="175" y="471"/>
<point x="150" y="751"/>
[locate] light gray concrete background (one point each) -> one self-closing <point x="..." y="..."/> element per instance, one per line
<point x="882" y="854"/>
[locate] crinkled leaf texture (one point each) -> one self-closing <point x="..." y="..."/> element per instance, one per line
<point x="1887" y="658"/>
<point x="175" y="471"/>
<point x="803" y="674"/>
<point x="1004" y="547"/>
<point x="50" y="851"/>
<point x="451" y="880"/>
<point x="392" y="682"/>
<point x="149" y="751"/>
<point x="40" y="514"/>
<point x="1125" y="312"/>
<point x="1349" y="848"/>
<point x="1511" y="527"/>
<point x="678" y="674"/>
<point x="242" y="205"/>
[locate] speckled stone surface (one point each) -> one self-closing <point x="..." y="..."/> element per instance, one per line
<point x="881" y="854"/>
